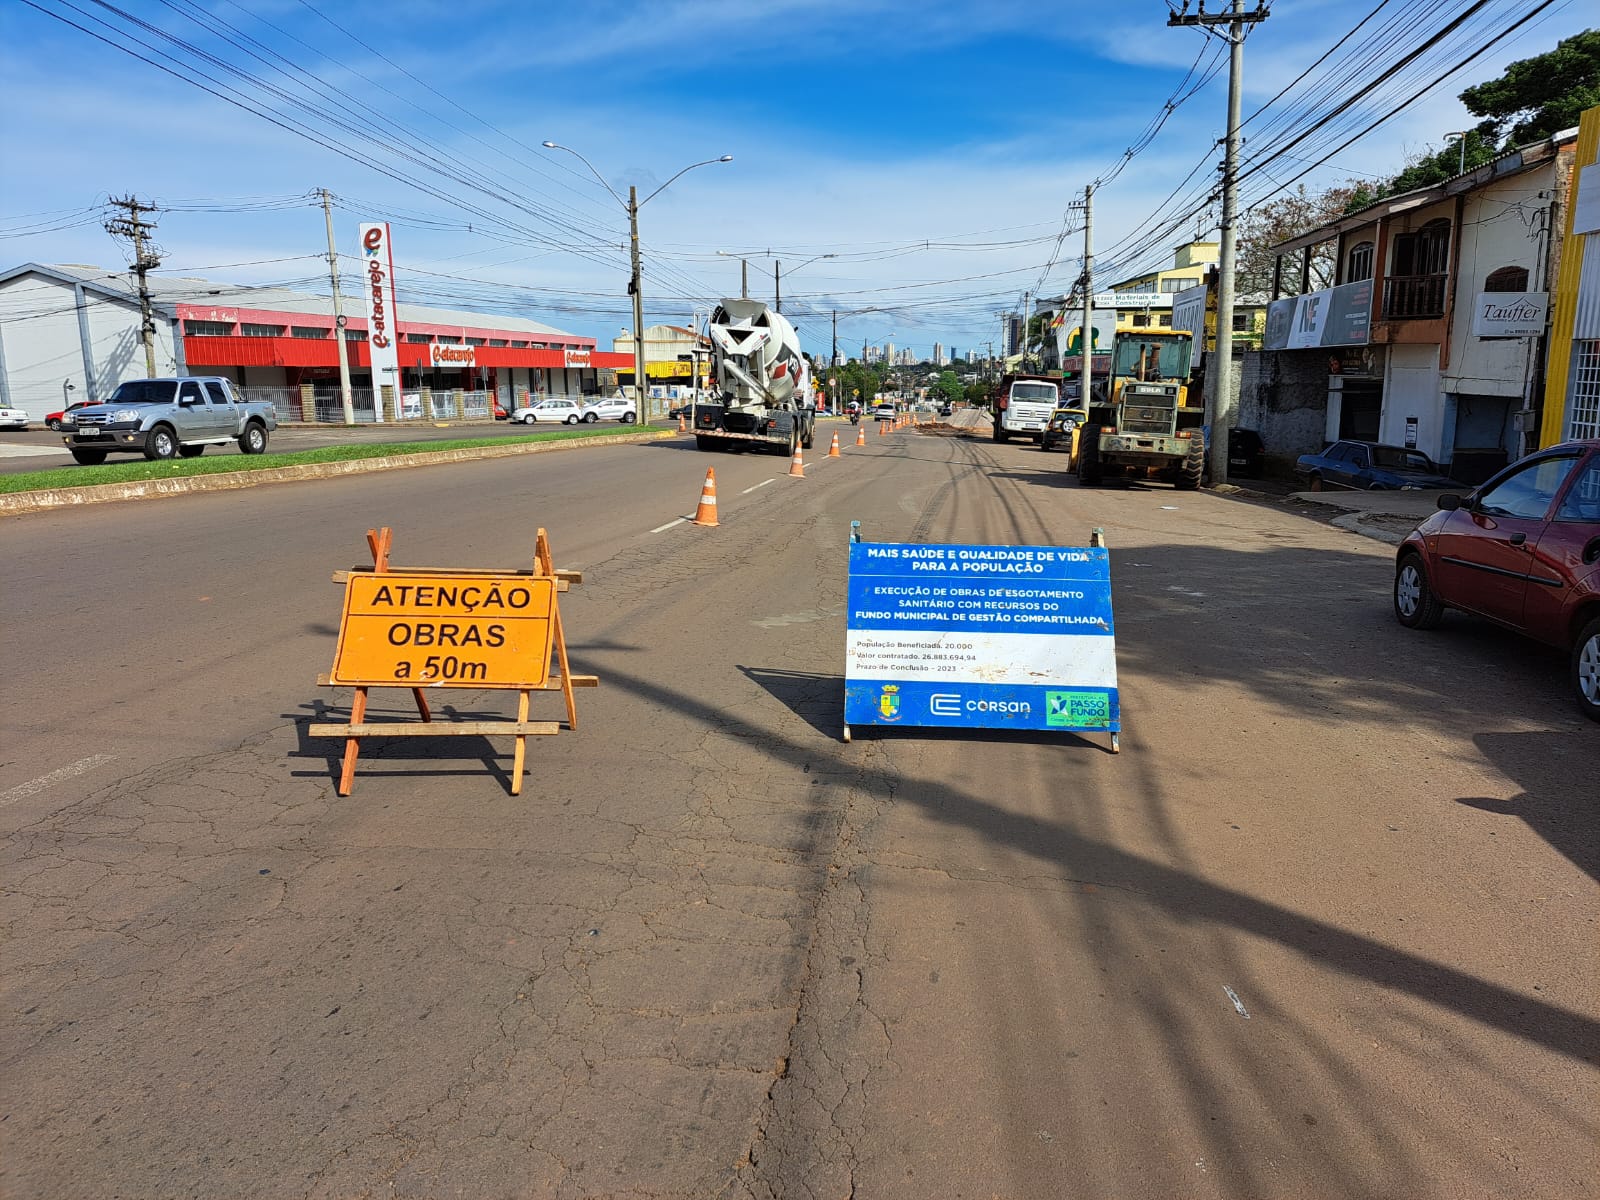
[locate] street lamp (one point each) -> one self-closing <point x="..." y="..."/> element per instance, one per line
<point x="632" y="205"/>
<point x="1460" y="136"/>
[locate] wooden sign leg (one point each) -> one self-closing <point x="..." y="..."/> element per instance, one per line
<point x="380" y="542"/>
<point x="545" y="564"/>
<point x="352" y="745"/>
<point x="520" y="758"/>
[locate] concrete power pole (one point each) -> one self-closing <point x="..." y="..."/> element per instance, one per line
<point x="1027" y="320"/>
<point x="641" y="393"/>
<point x="144" y="261"/>
<point x="777" y="287"/>
<point x="1220" y="376"/>
<point x="338" y="318"/>
<point x="1086" y="334"/>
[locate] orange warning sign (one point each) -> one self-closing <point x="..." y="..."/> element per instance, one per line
<point x="445" y="630"/>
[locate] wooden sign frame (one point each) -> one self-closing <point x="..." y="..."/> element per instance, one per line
<point x="380" y="542"/>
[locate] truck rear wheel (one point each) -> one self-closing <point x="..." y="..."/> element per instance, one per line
<point x="161" y="443"/>
<point x="1194" y="466"/>
<point x="253" y="440"/>
<point x="1001" y="435"/>
<point x="1089" y="470"/>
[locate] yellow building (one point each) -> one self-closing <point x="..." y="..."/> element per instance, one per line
<point x="1572" y="379"/>
<point x="1188" y="269"/>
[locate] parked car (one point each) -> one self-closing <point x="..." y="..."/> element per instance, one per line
<point x="13" y="418"/>
<point x="613" y="408"/>
<point x="1522" y="550"/>
<point x="1062" y="430"/>
<point x="1369" y="467"/>
<point x="501" y="412"/>
<point x="553" y="408"/>
<point x="163" y="418"/>
<point x="56" y="420"/>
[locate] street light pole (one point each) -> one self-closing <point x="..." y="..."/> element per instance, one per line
<point x="632" y="206"/>
<point x="1461" y="140"/>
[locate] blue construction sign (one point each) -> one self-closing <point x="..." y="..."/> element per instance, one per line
<point x="984" y="637"/>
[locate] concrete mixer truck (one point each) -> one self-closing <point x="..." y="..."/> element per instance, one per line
<point x="760" y="380"/>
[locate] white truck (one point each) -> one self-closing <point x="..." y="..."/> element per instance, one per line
<point x="163" y="418"/>
<point x="761" y="383"/>
<point x="1023" y="404"/>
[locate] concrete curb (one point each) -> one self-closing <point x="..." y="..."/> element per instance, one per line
<point x="47" y="499"/>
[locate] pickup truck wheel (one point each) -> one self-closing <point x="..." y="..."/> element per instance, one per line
<point x="191" y="451"/>
<point x="89" y="458"/>
<point x="253" y="440"/>
<point x="161" y="443"/>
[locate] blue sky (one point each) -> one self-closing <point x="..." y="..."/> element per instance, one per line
<point x="931" y="148"/>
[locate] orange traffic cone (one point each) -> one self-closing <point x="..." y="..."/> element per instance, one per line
<point x="797" y="468"/>
<point x="883" y="429"/>
<point x="833" y="450"/>
<point x="682" y="428"/>
<point x="861" y="435"/>
<point x="706" y="514"/>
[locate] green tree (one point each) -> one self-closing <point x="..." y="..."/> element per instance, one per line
<point x="857" y="382"/>
<point x="947" y="387"/>
<point x="1542" y="95"/>
<point x="1288" y="216"/>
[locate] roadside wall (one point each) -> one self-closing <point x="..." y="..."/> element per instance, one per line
<point x="1284" y="395"/>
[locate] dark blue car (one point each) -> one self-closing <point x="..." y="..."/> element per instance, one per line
<point x="1370" y="467"/>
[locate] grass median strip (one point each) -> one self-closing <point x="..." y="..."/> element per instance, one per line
<point x="136" y="470"/>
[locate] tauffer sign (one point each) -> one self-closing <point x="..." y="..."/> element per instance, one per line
<point x="1509" y="314"/>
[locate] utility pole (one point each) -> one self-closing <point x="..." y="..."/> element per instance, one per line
<point x="834" y="361"/>
<point x="777" y="287"/>
<point x="1027" y="320"/>
<point x="640" y="394"/>
<point x="1086" y="334"/>
<point x="144" y="261"/>
<point x="744" y="279"/>
<point x="1220" y="376"/>
<point x="338" y="319"/>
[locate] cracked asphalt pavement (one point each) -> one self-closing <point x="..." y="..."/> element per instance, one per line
<point x="1326" y="927"/>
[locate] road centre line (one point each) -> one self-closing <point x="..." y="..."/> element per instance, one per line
<point x="762" y="484"/>
<point x="23" y="790"/>
<point x="669" y="524"/>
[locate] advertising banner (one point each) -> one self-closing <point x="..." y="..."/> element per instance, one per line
<point x="452" y="356"/>
<point x="1340" y="316"/>
<point x="383" y="327"/>
<point x="983" y="637"/>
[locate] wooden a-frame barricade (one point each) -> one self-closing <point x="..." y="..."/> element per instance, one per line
<point x="525" y="678"/>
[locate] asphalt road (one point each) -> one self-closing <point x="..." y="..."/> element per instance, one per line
<point x="1326" y="927"/>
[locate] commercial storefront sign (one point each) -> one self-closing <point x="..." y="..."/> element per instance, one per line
<point x="576" y="358"/>
<point x="452" y="356"/>
<point x="993" y="637"/>
<point x="1510" y="314"/>
<point x="383" y="328"/>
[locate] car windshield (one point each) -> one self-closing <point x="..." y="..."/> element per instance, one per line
<point x="144" y="391"/>
<point x="1397" y="459"/>
<point x="1034" y="391"/>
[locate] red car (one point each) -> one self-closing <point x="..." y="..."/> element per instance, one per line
<point x="56" y="420"/>
<point x="1522" y="549"/>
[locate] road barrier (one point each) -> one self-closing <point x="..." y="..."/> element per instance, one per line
<point x="797" y="466"/>
<point x="833" y="450"/>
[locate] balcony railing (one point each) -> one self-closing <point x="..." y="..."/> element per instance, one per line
<point x="1413" y="296"/>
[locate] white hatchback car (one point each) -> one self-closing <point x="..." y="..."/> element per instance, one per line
<point x="553" y="408"/>
<point x="616" y="408"/>
<point x="13" y="418"/>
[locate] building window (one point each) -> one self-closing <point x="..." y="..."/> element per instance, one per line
<point x="1179" y="283"/>
<point x="308" y="331"/>
<point x="1358" y="263"/>
<point x="1416" y="287"/>
<point x="1164" y="320"/>
<point x="248" y="330"/>
<point x="474" y="341"/>
<point x="519" y="345"/>
<point x="419" y="339"/>
<point x="1583" y="404"/>
<point x="498" y="342"/>
<point x="1243" y="323"/>
<point x="208" y="328"/>
<point x="1507" y="279"/>
<point x="1140" y="321"/>
<point x="355" y="335"/>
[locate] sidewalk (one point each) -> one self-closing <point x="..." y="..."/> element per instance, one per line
<point x="1386" y="516"/>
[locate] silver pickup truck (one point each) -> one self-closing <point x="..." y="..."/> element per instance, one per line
<point x="163" y="418"/>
